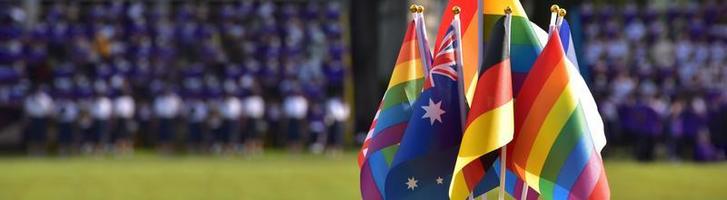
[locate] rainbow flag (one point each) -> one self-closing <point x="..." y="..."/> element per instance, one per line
<point x="490" y="120"/>
<point x="392" y="117"/>
<point x="553" y="148"/>
<point x="471" y="31"/>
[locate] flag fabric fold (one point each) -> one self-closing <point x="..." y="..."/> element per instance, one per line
<point x="553" y="149"/>
<point x="593" y="118"/>
<point x="392" y="116"/>
<point x="423" y="163"/>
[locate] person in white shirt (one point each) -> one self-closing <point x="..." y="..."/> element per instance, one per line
<point x="124" y="107"/>
<point x="67" y="116"/>
<point x="196" y="113"/>
<point x="337" y="113"/>
<point x="166" y="109"/>
<point x="255" y="125"/>
<point x="295" y="108"/>
<point x="231" y="110"/>
<point x="38" y="107"/>
<point x="101" y="113"/>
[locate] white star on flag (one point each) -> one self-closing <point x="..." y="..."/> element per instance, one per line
<point x="411" y="183"/>
<point x="440" y="180"/>
<point x="433" y="111"/>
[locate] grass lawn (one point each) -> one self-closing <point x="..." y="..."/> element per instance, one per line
<point x="282" y="176"/>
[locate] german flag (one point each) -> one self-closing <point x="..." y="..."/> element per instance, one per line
<point x="490" y="120"/>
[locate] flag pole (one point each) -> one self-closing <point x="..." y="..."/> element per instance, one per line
<point x="423" y="42"/>
<point x="561" y="15"/>
<point x="503" y="150"/>
<point x="456" y="10"/>
<point x="553" y="14"/>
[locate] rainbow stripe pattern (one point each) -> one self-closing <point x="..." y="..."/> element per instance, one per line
<point x="391" y="118"/>
<point x="553" y="148"/>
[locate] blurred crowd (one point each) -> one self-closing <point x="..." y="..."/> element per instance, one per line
<point x="96" y="76"/>
<point x="659" y="75"/>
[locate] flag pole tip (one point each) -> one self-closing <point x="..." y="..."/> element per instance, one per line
<point x="554" y="8"/>
<point x="420" y="9"/>
<point x="508" y="10"/>
<point x="456" y="10"/>
<point x="413" y="8"/>
<point x="562" y="12"/>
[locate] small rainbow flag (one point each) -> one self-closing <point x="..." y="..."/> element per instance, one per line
<point x="392" y="116"/>
<point x="553" y="149"/>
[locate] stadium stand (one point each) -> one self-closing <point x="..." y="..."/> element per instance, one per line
<point x="659" y="76"/>
<point x="219" y="74"/>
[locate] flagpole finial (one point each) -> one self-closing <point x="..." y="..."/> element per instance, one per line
<point x="413" y="8"/>
<point x="456" y="10"/>
<point x="420" y="9"/>
<point x="508" y="10"/>
<point x="554" y="8"/>
<point x="561" y="12"/>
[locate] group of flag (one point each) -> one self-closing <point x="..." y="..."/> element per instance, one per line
<point x="498" y="103"/>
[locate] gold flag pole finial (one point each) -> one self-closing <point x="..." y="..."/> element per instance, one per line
<point x="420" y="9"/>
<point x="508" y="10"/>
<point x="413" y="8"/>
<point x="561" y="12"/>
<point x="554" y="8"/>
<point x="456" y="10"/>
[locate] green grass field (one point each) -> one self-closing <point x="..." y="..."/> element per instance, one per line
<point x="282" y="176"/>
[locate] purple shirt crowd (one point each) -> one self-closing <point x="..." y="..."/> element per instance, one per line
<point x="196" y="62"/>
<point x="659" y="74"/>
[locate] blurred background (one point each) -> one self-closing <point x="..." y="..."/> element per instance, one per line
<point x="102" y="88"/>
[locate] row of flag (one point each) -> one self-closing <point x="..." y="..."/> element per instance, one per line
<point x="499" y="102"/>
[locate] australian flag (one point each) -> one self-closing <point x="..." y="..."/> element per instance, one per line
<point x="422" y="167"/>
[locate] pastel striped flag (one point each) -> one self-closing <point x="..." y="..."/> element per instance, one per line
<point x="391" y="118"/>
<point x="490" y="120"/>
<point x="553" y="149"/>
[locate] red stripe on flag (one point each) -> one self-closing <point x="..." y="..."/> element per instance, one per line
<point x="473" y="173"/>
<point x="409" y="49"/>
<point x="546" y="67"/>
<point x="494" y="89"/>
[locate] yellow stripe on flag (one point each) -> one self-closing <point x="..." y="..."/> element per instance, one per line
<point x="548" y="133"/>
<point x="458" y="189"/>
<point x="483" y="135"/>
<point x="406" y="71"/>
